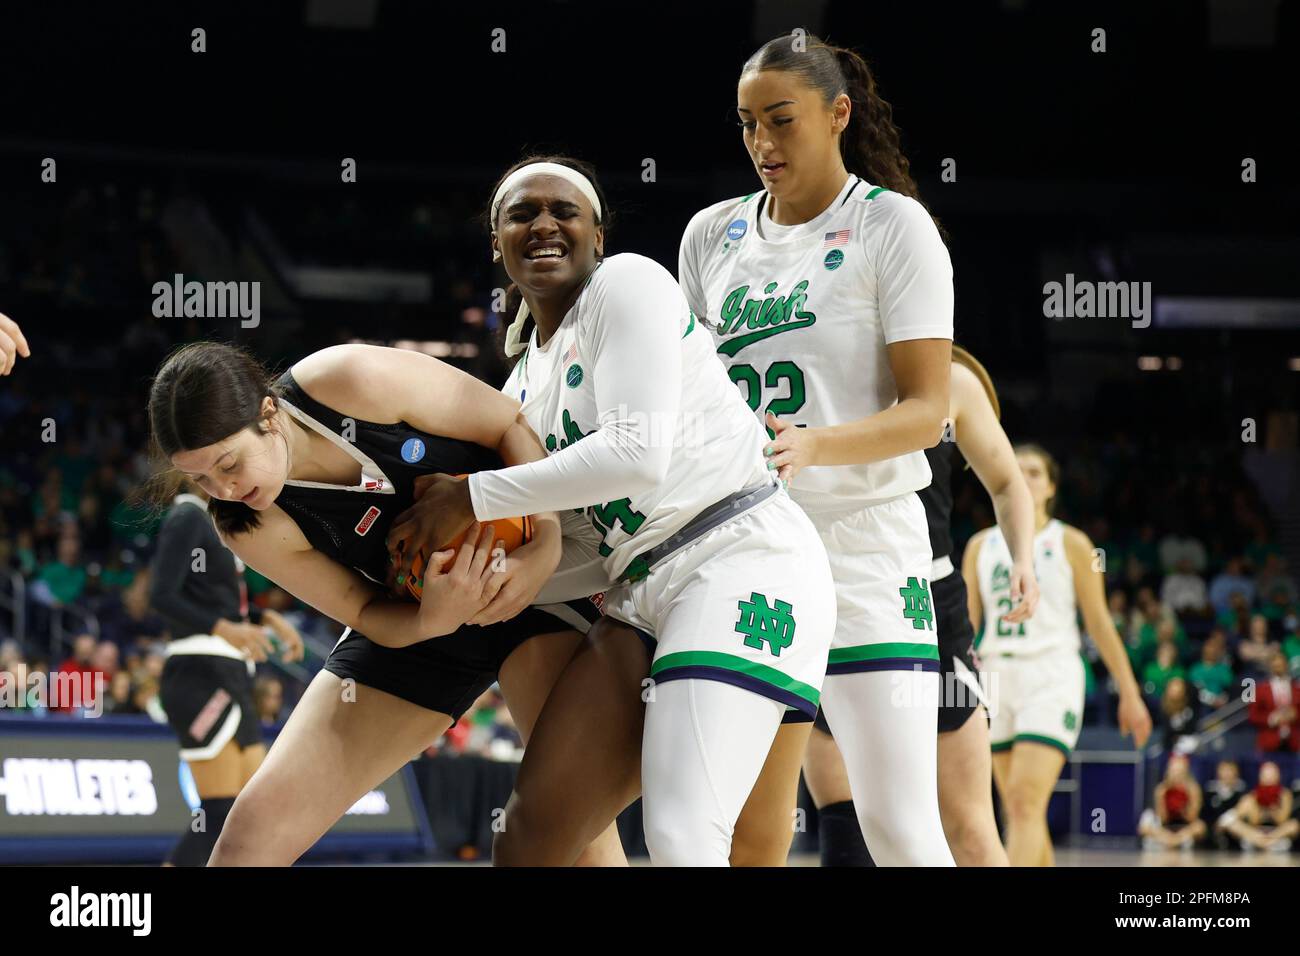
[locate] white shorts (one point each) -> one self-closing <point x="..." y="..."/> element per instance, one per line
<point x="880" y="560"/>
<point x="751" y="603"/>
<point x="1038" y="699"/>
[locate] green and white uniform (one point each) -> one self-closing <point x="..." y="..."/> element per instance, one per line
<point x="1033" y="670"/>
<point x="751" y="602"/>
<point x="802" y="316"/>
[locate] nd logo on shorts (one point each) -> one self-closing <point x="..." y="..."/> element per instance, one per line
<point x="834" y="259"/>
<point x="916" y="604"/>
<point x="759" y="623"/>
<point x="412" y="450"/>
<point x="573" y="377"/>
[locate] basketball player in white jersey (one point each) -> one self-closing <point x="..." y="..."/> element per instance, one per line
<point x="702" y="550"/>
<point x="829" y="296"/>
<point x="1035" y="666"/>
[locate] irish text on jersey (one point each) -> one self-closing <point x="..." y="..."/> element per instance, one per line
<point x="744" y="320"/>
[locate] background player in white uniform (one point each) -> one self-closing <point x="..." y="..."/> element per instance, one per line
<point x="1034" y="666"/>
<point x="965" y="765"/>
<point x="647" y="435"/>
<point x="830" y="298"/>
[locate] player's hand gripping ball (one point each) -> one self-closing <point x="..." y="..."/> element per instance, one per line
<point x="510" y="532"/>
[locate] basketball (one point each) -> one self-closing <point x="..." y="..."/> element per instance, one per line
<point x="511" y="532"/>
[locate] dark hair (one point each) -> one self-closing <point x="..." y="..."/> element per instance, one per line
<point x="205" y="392"/>
<point x="871" y="144"/>
<point x="606" y="218"/>
<point x="1053" y="468"/>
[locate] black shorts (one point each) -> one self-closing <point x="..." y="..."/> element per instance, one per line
<point x="448" y="674"/>
<point x="209" y="702"/>
<point x="956" y="642"/>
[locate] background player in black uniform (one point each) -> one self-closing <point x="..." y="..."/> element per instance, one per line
<point x="965" y="768"/>
<point x="196" y="584"/>
<point x="308" y="474"/>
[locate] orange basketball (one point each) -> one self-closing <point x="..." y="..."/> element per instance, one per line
<point x="510" y="532"/>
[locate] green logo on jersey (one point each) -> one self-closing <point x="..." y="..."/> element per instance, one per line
<point x="834" y="259"/>
<point x="1069" y="720"/>
<point x="760" y="623"/>
<point x="916" y="604"/>
<point x="1001" y="577"/>
<point x="572" y="432"/>
<point x="763" y="317"/>
<point x="573" y="377"/>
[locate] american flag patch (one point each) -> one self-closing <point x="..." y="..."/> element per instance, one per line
<point x="840" y="238"/>
<point x="571" y="355"/>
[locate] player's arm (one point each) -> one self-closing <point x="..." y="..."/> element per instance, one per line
<point x="12" y="344"/>
<point x="441" y="400"/>
<point x="633" y="349"/>
<point x="985" y="445"/>
<point x="1090" y="590"/>
<point x="278" y="550"/>
<point x="970" y="574"/>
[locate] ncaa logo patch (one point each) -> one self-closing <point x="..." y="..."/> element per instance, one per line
<point x="834" y="259"/>
<point x="737" y="229"/>
<point x="367" y="520"/>
<point x="573" y="377"/>
<point x="412" y="450"/>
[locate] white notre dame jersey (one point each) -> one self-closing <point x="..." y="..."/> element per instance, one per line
<point x="1055" y="624"/>
<point x="802" y="314"/>
<point x="717" y="445"/>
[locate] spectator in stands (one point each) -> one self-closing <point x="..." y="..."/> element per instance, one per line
<point x="1273" y="576"/>
<point x="1291" y="649"/>
<point x="1184" y="591"/>
<point x="62" y="581"/>
<point x="1163" y="669"/>
<point x="126" y="617"/>
<point x="1145" y="624"/>
<point x="145" y="698"/>
<point x="1178" y="713"/>
<point x="1144" y="551"/>
<point x="1175" y="818"/>
<point x="1212" y="674"/>
<point x="1279" y="608"/>
<point x="120" y="698"/>
<point x="1274" y="709"/>
<point x="78" y="663"/>
<point x="10" y="653"/>
<point x="1177" y="547"/>
<point x="1261" y="819"/>
<point x="104" y="662"/>
<point x="15" y="689"/>
<point x="1236" y="619"/>
<point x="1231" y="580"/>
<point x="268" y="698"/>
<point x="1221" y="795"/>
<point x="1257" y="650"/>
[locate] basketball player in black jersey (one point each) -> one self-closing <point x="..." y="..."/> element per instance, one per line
<point x="307" y="474"/>
<point x="964" y="762"/>
<point x="206" y="690"/>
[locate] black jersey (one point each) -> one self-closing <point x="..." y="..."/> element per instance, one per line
<point x="937" y="498"/>
<point x="194" y="581"/>
<point x="350" y="525"/>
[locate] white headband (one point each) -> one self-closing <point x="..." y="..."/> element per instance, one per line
<point x="513" y="334"/>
